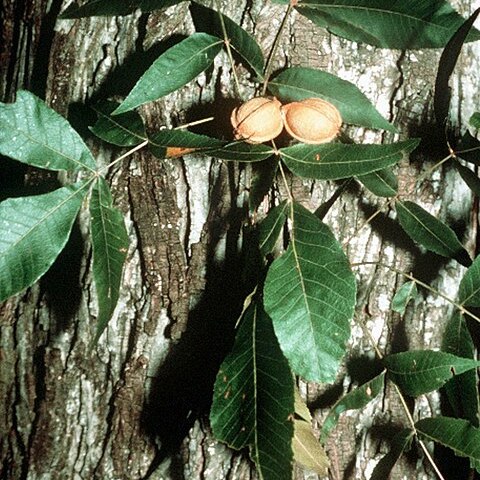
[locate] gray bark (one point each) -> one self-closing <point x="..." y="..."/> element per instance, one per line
<point x="138" y="404"/>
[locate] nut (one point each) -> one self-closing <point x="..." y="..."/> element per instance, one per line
<point x="257" y="120"/>
<point x="312" y="120"/>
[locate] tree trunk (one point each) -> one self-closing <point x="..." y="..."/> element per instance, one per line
<point x="137" y="406"/>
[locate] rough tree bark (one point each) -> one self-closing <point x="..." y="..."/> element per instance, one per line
<point x="136" y="407"/>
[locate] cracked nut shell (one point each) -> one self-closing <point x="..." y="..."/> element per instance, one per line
<point x="257" y="120"/>
<point x="312" y="120"/>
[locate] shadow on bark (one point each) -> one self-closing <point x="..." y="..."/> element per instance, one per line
<point x="182" y="389"/>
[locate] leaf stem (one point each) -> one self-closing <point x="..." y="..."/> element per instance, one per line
<point x="276" y="42"/>
<point x="227" y="46"/>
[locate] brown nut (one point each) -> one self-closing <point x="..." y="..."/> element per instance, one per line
<point x="257" y="120"/>
<point x="312" y="120"/>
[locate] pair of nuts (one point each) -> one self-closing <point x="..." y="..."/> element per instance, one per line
<point x="312" y="120"/>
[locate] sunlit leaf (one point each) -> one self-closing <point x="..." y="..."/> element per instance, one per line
<point x="461" y="390"/>
<point x="402" y="24"/>
<point x="173" y="69"/>
<point x="207" y="20"/>
<point x="110" y="244"/>
<point x="400" y="443"/>
<point x="357" y="398"/>
<point x="270" y="228"/>
<point x="382" y="183"/>
<point x="298" y="83"/>
<point x="253" y="400"/>
<point x="469" y="290"/>
<point x="301" y="409"/>
<point x="186" y="141"/>
<point x="243" y="152"/>
<point x="33" y="133"/>
<point x="421" y="371"/>
<point x="307" y="450"/>
<point x="94" y="8"/>
<point x="310" y="295"/>
<point x="407" y="292"/>
<point x="422" y="227"/>
<point x="454" y="433"/>
<point x="335" y="160"/>
<point x="123" y="130"/>
<point x="34" y="231"/>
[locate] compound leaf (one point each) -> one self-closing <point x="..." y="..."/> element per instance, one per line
<point x="461" y="390"/>
<point x="124" y="130"/>
<point x="401" y="24"/>
<point x="110" y="244"/>
<point x="33" y="133"/>
<point x="173" y="69"/>
<point x="298" y="83"/>
<point x="310" y="295"/>
<point x="241" y="41"/>
<point x="34" y="231"/>
<point x="382" y="183"/>
<point x="422" y="227"/>
<point x="455" y="433"/>
<point x="421" y="371"/>
<point x="357" y="398"/>
<point x="253" y="400"/>
<point x="469" y="291"/>
<point x="172" y="143"/>
<point x="270" y="228"/>
<point x="336" y="160"/>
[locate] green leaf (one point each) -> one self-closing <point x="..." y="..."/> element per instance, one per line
<point x="298" y="83"/>
<point x="33" y="133"/>
<point x="470" y="178"/>
<point x="354" y="400"/>
<point x="402" y="25"/>
<point x="461" y="390"/>
<point x="307" y="450"/>
<point x="270" y="228"/>
<point x="115" y="7"/>
<point x="421" y="371"/>
<point x="183" y="140"/>
<point x="433" y="234"/>
<point x="454" y="433"/>
<point x="446" y="66"/>
<point x="335" y="160"/>
<point x="208" y="20"/>
<point x="123" y="130"/>
<point x="310" y="295"/>
<point x="382" y="183"/>
<point x="34" y="231"/>
<point x="474" y="120"/>
<point x="254" y="397"/>
<point x="400" y="443"/>
<point x="110" y="244"/>
<point x="243" y="152"/>
<point x="301" y="409"/>
<point x="407" y="292"/>
<point x="469" y="290"/>
<point x="173" y="69"/>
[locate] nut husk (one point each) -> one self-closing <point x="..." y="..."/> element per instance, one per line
<point x="312" y="120"/>
<point x="257" y="120"/>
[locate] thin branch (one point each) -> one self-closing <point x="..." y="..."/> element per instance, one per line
<point x="227" y="46"/>
<point x="276" y="42"/>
